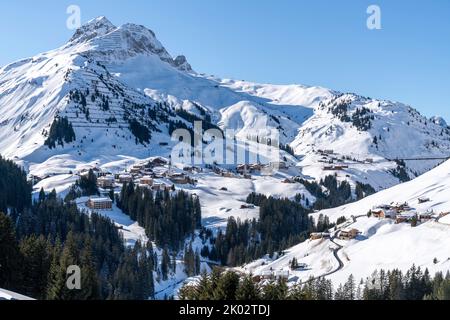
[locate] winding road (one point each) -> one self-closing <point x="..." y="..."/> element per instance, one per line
<point x="336" y="251"/>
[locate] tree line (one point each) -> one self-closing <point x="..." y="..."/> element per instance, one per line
<point x="42" y="242"/>
<point x="282" y="223"/>
<point x="15" y="191"/>
<point x="39" y="240"/>
<point x="167" y="217"/>
<point x="415" y="284"/>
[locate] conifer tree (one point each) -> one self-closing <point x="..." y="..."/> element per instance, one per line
<point x="10" y="258"/>
<point x="247" y="290"/>
<point x="227" y="286"/>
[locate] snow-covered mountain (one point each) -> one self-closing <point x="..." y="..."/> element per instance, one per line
<point x="106" y="77"/>
<point x="121" y="92"/>
<point x="367" y="135"/>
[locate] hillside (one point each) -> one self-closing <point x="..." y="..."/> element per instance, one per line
<point x="382" y="244"/>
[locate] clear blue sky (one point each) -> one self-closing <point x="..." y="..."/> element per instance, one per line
<point x="315" y="42"/>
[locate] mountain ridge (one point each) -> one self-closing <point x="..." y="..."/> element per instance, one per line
<point x="130" y="57"/>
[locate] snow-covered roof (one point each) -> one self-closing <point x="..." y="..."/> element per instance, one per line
<point x="100" y="200"/>
<point x="409" y="214"/>
<point x="106" y="178"/>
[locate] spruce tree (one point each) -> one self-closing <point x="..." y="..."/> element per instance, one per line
<point x="227" y="286"/>
<point x="248" y="290"/>
<point x="10" y="257"/>
<point x="36" y="262"/>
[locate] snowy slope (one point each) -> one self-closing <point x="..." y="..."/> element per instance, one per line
<point x="9" y="295"/>
<point x="387" y="130"/>
<point x="382" y="243"/>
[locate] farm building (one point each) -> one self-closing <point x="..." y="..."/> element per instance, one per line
<point x="319" y="235"/>
<point x="406" y="217"/>
<point x="425" y="216"/>
<point x="383" y="213"/>
<point x="424" y="199"/>
<point x="179" y="178"/>
<point x="348" y="234"/>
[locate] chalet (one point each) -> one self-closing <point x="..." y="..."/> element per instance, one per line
<point x="281" y="165"/>
<point x="104" y="173"/>
<point x="401" y="207"/>
<point x="179" y="178"/>
<point x="424" y="200"/>
<point x="348" y="234"/>
<point x="160" y="186"/>
<point x="302" y="266"/>
<point x="248" y="168"/>
<point x="136" y="169"/>
<point x="157" y="162"/>
<point x="160" y="174"/>
<point x="426" y="216"/>
<point x="340" y="167"/>
<point x="157" y="186"/>
<point x="369" y="160"/>
<point x="248" y="176"/>
<point x="383" y="213"/>
<point x="106" y="182"/>
<point x="267" y="275"/>
<point x="319" y="236"/>
<point x="148" y="172"/>
<point x="384" y="206"/>
<point x="378" y="213"/>
<point x="406" y="217"/>
<point x="125" y="178"/>
<point x="99" y="204"/>
<point x="282" y="275"/>
<point x="329" y="151"/>
<point x="248" y="206"/>
<point x="146" y="180"/>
